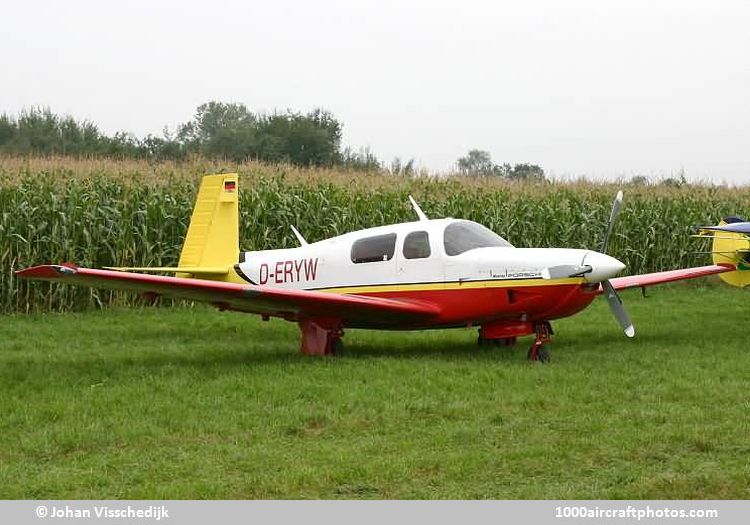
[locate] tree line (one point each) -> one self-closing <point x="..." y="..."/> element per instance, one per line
<point x="479" y="163"/>
<point x="218" y="129"/>
<point x="224" y="130"/>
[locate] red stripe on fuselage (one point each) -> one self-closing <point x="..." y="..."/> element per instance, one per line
<point x="482" y="305"/>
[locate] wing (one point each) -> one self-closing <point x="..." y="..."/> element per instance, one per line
<point x="353" y="310"/>
<point x="650" y="279"/>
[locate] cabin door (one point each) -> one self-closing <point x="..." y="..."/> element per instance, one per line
<point x="419" y="260"/>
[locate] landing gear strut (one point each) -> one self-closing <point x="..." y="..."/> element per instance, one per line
<point x="321" y="336"/>
<point x="539" y="351"/>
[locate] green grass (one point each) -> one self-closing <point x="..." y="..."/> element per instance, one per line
<point x="194" y="403"/>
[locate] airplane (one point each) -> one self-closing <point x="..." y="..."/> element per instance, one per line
<point x="430" y="273"/>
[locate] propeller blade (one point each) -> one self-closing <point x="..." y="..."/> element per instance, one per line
<point x="565" y="270"/>
<point x="615" y="304"/>
<point x="612" y="218"/>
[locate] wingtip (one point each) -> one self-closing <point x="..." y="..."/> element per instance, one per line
<point x="46" y="271"/>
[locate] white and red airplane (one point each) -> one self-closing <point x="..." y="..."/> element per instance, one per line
<point x="431" y="273"/>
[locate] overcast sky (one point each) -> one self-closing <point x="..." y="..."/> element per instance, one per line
<point x="595" y="88"/>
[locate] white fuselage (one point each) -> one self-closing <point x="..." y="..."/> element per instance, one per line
<point x="412" y="253"/>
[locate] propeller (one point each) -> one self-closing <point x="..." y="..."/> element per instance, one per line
<point x="599" y="265"/>
<point x="616" y="206"/>
<point x="615" y="303"/>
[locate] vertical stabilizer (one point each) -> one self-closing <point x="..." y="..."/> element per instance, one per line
<point x="213" y="235"/>
<point x="732" y="247"/>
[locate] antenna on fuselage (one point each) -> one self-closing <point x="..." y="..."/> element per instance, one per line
<point x="302" y="241"/>
<point x="420" y="213"/>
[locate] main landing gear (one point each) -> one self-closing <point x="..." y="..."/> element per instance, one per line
<point x="539" y="351"/>
<point x="321" y="336"/>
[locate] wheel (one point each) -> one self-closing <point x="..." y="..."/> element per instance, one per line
<point x="542" y="354"/>
<point x="337" y="346"/>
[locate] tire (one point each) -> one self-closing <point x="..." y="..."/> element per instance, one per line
<point x="543" y="355"/>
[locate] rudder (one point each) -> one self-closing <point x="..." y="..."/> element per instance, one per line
<point x="212" y="239"/>
<point x="732" y="247"/>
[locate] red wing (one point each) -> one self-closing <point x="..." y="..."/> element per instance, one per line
<point x="289" y="304"/>
<point x="649" y="279"/>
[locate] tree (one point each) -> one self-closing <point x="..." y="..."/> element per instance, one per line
<point x="402" y="168"/>
<point x="218" y="129"/>
<point x="526" y="171"/>
<point x="361" y="160"/>
<point x="232" y="131"/>
<point x="305" y="140"/>
<point x="157" y="148"/>
<point x="8" y="130"/>
<point x="675" y="182"/>
<point x="476" y="162"/>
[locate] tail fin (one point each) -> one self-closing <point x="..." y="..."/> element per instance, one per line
<point x="212" y="240"/>
<point x="731" y="245"/>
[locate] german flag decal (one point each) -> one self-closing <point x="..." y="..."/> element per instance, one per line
<point x="230" y="185"/>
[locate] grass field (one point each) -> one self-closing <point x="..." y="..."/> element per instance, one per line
<point x="194" y="403"/>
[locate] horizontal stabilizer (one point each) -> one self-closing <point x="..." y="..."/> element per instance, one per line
<point x="731" y="236"/>
<point x="723" y="252"/>
<point x="735" y="227"/>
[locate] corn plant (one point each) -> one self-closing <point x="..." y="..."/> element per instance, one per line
<point x="102" y="213"/>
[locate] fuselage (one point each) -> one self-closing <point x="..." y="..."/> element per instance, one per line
<point x="475" y="276"/>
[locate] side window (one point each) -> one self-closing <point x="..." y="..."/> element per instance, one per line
<point x="374" y="249"/>
<point x="417" y="245"/>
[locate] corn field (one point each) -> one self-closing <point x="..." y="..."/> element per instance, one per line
<point x="105" y="213"/>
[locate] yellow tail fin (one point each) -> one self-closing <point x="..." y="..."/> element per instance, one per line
<point x="732" y="248"/>
<point x="212" y="239"/>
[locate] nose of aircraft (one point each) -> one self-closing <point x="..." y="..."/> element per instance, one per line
<point x="603" y="267"/>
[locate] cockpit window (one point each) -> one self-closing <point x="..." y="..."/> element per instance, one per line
<point x="374" y="249"/>
<point x="462" y="236"/>
<point x="417" y="245"/>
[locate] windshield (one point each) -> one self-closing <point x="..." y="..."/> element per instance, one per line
<point x="462" y="236"/>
